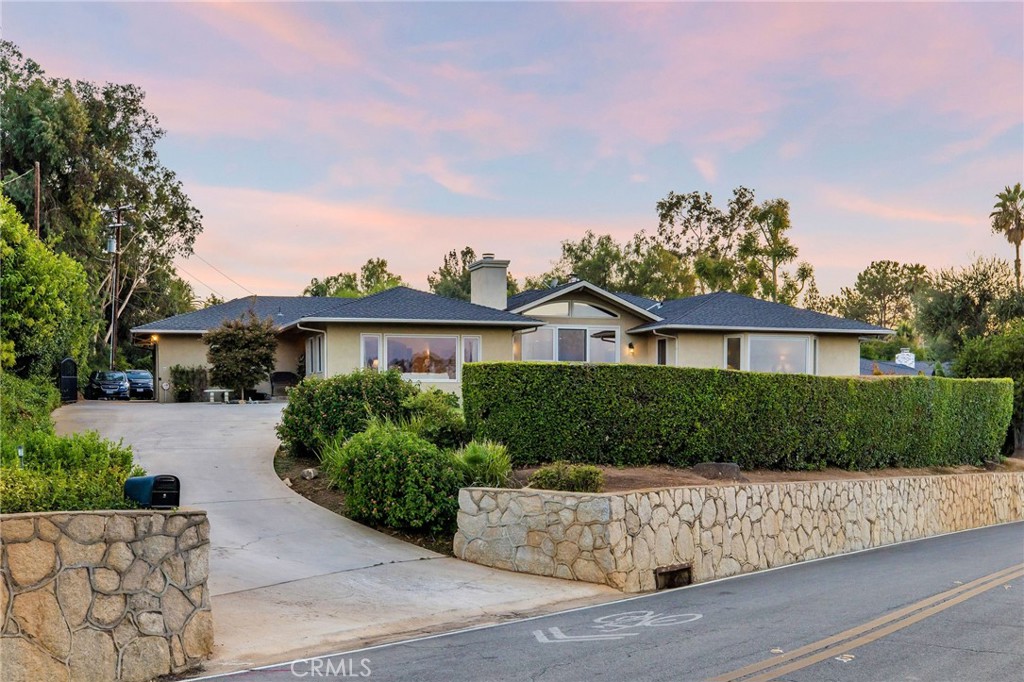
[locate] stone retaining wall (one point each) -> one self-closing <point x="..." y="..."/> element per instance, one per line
<point x="620" y="539"/>
<point x="105" y="595"/>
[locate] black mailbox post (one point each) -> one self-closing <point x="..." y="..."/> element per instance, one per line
<point x="156" y="492"/>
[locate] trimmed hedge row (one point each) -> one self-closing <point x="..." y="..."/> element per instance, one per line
<point x="630" y="415"/>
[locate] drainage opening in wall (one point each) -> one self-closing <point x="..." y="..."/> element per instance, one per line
<point x="667" y="577"/>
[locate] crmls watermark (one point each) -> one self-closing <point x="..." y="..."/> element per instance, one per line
<point x="331" y="667"/>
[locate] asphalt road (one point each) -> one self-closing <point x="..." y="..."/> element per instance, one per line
<point x="946" y="608"/>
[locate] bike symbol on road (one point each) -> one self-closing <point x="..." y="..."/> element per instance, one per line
<point x="614" y="626"/>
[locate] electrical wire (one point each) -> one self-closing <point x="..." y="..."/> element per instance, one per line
<point x="251" y="293"/>
<point x="17" y="178"/>
<point x="214" y="291"/>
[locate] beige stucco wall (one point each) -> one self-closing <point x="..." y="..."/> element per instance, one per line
<point x="176" y="349"/>
<point x="838" y="356"/>
<point x="622" y="539"/>
<point x="344" y="346"/>
<point x="697" y="349"/>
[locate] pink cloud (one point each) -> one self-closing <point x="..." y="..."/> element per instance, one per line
<point x="855" y="203"/>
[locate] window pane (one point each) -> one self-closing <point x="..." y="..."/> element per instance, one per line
<point x="470" y="349"/>
<point x="603" y="347"/>
<point x="556" y="309"/>
<point x="662" y="351"/>
<point x="732" y="356"/>
<point x="572" y="345"/>
<point x="537" y="345"/>
<point x="778" y="354"/>
<point x="371" y="352"/>
<point x="429" y="358"/>
<point x="589" y="310"/>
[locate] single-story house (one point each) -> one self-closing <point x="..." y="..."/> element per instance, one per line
<point x="429" y="337"/>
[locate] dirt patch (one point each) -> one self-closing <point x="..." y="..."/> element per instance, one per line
<point x="619" y="479"/>
<point x="319" y="491"/>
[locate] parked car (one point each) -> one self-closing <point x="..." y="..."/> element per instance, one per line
<point x="141" y="383"/>
<point x="107" y="384"/>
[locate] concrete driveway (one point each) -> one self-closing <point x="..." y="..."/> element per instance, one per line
<point x="288" y="577"/>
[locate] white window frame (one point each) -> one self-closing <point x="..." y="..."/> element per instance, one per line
<point x="458" y="355"/>
<point x="462" y="351"/>
<point x="587" y="329"/>
<point x="810" y="359"/>
<point x="315" y="355"/>
<point x="744" y="363"/>
<point x="362" y="350"/>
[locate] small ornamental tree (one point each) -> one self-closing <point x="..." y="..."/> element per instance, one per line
<point x="241" y="352"/>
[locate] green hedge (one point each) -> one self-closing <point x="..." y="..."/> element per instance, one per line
<point x="25" y="407"/>
<point x="639" y="415"/>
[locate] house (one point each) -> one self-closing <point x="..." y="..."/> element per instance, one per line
<point x="428" y="337"/>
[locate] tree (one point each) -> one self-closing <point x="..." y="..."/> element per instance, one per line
<point x="766" y="249"/>
<point x="999" y="355"/>
<point x="452" y="279"/>
<point x="883" y="293"/>
<point x="1008" y="220"/>
<point x="242" y="352"/>
<point x="96" y="146"/>
<point x="649" y="269"/>
<point x="46" y="313"/>
<point x="697" y="231"/>
<point x="372" y="278"/>
<point x="965" y="303"/>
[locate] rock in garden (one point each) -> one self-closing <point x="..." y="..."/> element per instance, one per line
<point x="288" y="482"/>
<point x="719" y="471"/>
<point x="310" y="473"/>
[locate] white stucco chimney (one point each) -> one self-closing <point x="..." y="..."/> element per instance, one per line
<point x="488" y="282"/>
<point x="906" y="358"/>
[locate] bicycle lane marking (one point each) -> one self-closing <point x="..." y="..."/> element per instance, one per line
<point x="616" y="625"/>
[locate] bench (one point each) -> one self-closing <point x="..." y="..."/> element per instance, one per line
<point x="226" y="392"/>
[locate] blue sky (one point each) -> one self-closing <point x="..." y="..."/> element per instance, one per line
<point x="316" y="135"/>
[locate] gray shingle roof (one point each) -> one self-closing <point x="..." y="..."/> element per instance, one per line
<point x="729" y="311"/>
<point x="867" y="368"/>
<point x="284" y="310"/>
<point x="638" y="301"/>
<point x="398" y="304"/>
<point x="405" y="304"/>
<point x="531" y="295"/>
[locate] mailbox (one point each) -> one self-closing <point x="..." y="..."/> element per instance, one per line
<point x="157" y="492"/>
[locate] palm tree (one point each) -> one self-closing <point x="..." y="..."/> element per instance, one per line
<point x="1008" y="219"/>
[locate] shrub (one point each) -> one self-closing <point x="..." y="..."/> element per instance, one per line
<point x="76" y="472"/>
<point x="435" y="416"/>
<point x="394" y="478"/>
<point x="25" y="407"/>
<point x="319" y="409"/>
<point x="572" y="478"/>
<point x="484" y="463"/>
<point x="189" y="383"/>
<point x="999" y="355"/>
<point x="241" y="352"/>
<point x="639" y="415"/>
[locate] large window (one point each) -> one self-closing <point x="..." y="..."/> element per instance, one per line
<point x="783" y="354"/>
<point x="567" y="344"/>
<point x="370" y="351"/>
<point x="577" y="309"/>
<point x="424" y="358"/>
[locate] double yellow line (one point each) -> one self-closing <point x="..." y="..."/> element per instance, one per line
<point x="868" y="632"/>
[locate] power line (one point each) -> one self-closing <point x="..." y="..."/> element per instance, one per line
<point x="33" y="170"/>
<point x="251" y="293"/>
<point x="215" y="292"/>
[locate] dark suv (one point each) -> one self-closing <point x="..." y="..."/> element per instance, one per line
<point x="141" y="382"/>
<point x="107" y="384"/>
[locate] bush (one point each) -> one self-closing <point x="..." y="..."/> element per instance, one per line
<point x="999" y="355"/>
<point x="571" y="478"/>
<point x="484" y="463"/>
<point x="394" y="478"/>
<point x="77" y="472"/>
<point x="637" y="415"/>
<point x="320" y="409"/>
<point x="435" y="416"/>
<point x="25" y="407"/>
<point x="189" y="383"/>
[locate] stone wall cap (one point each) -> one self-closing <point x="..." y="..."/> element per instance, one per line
<point x="103" y="512"/>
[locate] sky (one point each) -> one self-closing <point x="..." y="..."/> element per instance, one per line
<point x="316" y="135"/>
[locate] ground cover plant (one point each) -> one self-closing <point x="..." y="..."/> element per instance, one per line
<point x="57" y="473"/>
<point x="628" y="415"/>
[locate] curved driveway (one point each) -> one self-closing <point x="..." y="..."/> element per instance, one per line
<point x="288" y="577"/>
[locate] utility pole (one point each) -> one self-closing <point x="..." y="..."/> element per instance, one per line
<point x="38" y="182"/>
